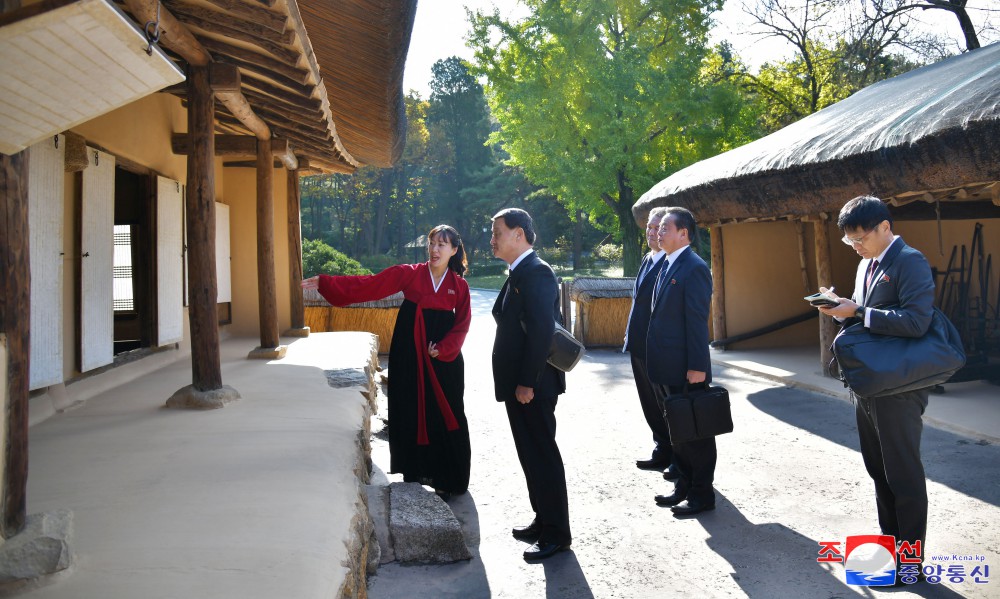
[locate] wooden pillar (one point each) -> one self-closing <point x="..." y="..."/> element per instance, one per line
<point x="718" y="285"/>
<point x="800" y="234"/>
<point x="295" y="255"/>
<point x="203" y="292"/>
<point x="266" y="292"/>
<point x="15" y="295"/>
<point x="824" y="278"/>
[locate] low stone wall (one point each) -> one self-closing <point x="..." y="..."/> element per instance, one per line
<point x="362" y="545"/>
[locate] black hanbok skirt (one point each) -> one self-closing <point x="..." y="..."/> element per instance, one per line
<point x="444" y="463"/>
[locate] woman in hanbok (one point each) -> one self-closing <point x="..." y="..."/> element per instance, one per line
<point x="428" y="431"/>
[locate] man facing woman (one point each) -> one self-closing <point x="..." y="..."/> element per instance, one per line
<point x="428" y="432"/>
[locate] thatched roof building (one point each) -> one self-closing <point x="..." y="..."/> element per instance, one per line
<point x="928" y="142"/>
<point x="930" y="134"/>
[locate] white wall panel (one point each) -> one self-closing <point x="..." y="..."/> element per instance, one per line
<point x="169" y="262"/>
<point x="223" y="270"/>
<point x="97" y="225"/>
<point x="45" y="223"/>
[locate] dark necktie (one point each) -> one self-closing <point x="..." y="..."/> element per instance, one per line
<point x="660" y="277"/>
<point x="871" y="273"/>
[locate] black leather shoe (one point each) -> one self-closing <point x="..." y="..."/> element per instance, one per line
<point x="653" y="463"/>
<point x="529" y="533"/>
<point x="669" y="500"/>
<point x="690" y="508"/>
<point x="540" y="551"/>
<point x="671" y="474"/>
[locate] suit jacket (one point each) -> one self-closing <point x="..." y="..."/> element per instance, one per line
<point x="642" y="305"/>
<point x="677" y="340"/>
<point x="901" y="294"/>
<point x="530" y="295"/>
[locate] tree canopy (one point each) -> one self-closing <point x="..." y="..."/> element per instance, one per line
<point x="598" y="100"/>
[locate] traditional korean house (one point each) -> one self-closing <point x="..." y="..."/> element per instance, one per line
<point x="927" y="142"/>
<point x="150" y="155"/>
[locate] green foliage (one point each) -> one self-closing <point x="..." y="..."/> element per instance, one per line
<point x="597" y="101"/>
<point x="608" y="252"/>
<point x="319" y="258"/>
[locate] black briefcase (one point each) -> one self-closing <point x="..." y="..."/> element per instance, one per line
<point x="698" y="414"/>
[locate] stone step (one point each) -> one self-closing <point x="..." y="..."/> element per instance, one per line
<point x="413" y="524"/>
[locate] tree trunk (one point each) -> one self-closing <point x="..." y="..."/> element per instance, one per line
<point x="382" y="208"/>
<point x="203" y="291"/>
<point x="631" y="233"/>
<point x="15" y="312"/>
<point x="578" y="238"/>
<point x="402" y="186"/>
<point x="968" y="29"/>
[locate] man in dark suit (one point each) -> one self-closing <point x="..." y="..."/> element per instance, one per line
<point x="526" y="311"/>
<point x="635" y="345"/>
<point x="893" y="295"/>
<point x="677" y="353"/>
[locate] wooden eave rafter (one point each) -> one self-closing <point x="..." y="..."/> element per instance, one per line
<point x="279" y="80"/>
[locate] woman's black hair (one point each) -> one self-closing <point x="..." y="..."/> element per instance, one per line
<point x="458" y="262"/>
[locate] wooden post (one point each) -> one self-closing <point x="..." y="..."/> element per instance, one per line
<point x="203" y="291"/>
<point x="266" y="292"/>
<point x="295" y="255"/>
<point x="15" y="306"/>
<point x="824" y="278"/>
<point x="718" y="284"/>
<point x="800" y="234"/>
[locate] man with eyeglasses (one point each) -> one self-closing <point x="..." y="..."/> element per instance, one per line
<point x="893" y="295"/>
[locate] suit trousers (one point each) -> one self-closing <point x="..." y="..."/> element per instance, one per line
<point x="889" y="429"/>
<point x="652" y="409"/>
<point x="695" y="462"/>
<point x="533" y="426"/>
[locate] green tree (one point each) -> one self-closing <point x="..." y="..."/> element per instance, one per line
<point x="320" y="258"/>
<point x="458" y="125"/>
<point x="598" y="100"/>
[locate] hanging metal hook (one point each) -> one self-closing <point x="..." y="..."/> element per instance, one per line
<point x="154" y="36"/>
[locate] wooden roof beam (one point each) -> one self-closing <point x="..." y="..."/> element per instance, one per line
<point x="226" y="86"/>
<point x="173" y="33"/>
<point x="239" y="146"/>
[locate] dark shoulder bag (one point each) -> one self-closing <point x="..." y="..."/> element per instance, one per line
<point x="874" y="365"/>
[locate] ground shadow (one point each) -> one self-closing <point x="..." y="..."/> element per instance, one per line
<point x="565" y="578"/>
<point x="948" y="458"/>
<point x="772" y="561"/>
<point x="460" y="580"/>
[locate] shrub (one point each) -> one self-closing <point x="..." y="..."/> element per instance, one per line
<point x="319" y="258"/>
<point x="609" y="253"/>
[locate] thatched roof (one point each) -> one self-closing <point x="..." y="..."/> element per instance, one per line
<point x="930" y="134"/>
<point x="324" y="75"/>
<point x="585" y="289"/>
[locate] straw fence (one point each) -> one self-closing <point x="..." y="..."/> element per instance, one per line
<point x="377" y="317"/>
<point x="602" y="307"/>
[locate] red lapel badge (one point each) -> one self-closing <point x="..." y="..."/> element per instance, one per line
<point x="673" y="281"/>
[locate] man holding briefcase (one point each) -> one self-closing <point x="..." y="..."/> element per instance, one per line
<point x="677" y="353"/>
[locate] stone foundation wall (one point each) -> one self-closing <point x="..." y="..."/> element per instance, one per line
<point x="362" y="545"/>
